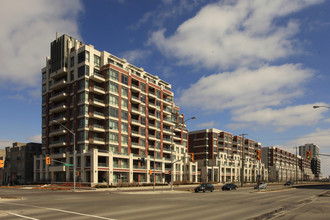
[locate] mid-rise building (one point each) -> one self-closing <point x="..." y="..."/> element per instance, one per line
<point x="283" y="165"/>
<point x="221" y="155"/>
<point x="18" y="167"/>
<point x="124" y="120"/>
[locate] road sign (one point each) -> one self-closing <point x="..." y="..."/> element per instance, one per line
<point x="68" y="165"/>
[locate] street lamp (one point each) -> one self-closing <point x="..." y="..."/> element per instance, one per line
<point x="172" y="146"/>
<point x="74" y="153"/>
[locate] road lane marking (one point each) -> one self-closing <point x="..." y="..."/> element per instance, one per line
<point x="61" y="210"/>
<point x="22" y="216"/>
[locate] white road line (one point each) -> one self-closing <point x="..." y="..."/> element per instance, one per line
<point x="61" y="210"/>
<point x="22" y="216"/>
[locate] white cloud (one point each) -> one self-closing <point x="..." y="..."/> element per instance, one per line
<point x="36" y="138"/>
<point x="6" y="143"/>
<point x="234" y="33"/>
<point x="27" y="28"/>
<point x="300" y="115"/>
<point x="243" y="88"/>
<point x="206" y="125"/>
<point x="321" y="138"/>
<point x="135" y="55"/>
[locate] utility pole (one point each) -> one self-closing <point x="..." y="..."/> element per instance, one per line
<point x="243" y="159"/>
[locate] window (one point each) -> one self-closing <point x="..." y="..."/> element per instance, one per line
<point x="143" y="120"/>
<point x="113" y="137"/>
<point x="124" y="139"/>
<point x="143" y="87"/>
<point x="113" y="112"/>
<point x="124" y="92"/>
<point x="81" y="57"/>
<point x="124" y="127"/>
<point x="97" y="60"/>
<point x="113" y="100"/>
<point x="158" y="93"/>
<point x="87" y="56"/>
<point x="114" y="75"/>
<point x="72" y="75"/>
<point x="124" y="115"/>
<point x="71" y="61"/>
<point x="124" y="103"/>
<point x="124" y="79"/>
<point x="113" y="125"/>
<point x="114" y="87"/>
<point x="83" y="70"/>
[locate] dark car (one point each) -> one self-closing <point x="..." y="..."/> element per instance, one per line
<point x="289" y="183"/>
<point x="205" y="187"/>
<point x="229" y="186"/>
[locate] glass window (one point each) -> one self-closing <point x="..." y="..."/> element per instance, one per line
<point x="124" y="127"/>
<point x="81" y="57"/>
<point x="124" y="139"/>
<point x="113" y="125"/>
<point x="87" y="56"/>
<point x="124" y="92"/>
<point x="113" y="137"/>
<point x="124" y="79"/>
<point x="114" y="112"/>
<point x="97" y="60"/>
<point x="124" y="103"/>
<point x="114" y="75"/>
<point x="124" y="115"/>
<point x="71" y="61"/>
<point x="143" y="87"/>
<point x="158" y="93"/>
<point x="114" y="87"/>
<point x="113" y="100"/>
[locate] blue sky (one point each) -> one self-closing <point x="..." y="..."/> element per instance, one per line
<point x="242" y="66"/>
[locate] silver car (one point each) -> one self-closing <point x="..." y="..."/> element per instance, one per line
<point x="262" y="185"/>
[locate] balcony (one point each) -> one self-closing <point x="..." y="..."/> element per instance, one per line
<point x="60" y="143"/>
<point x="97" y="115"/>
<point x="59" y="73"/>
<point x="167" y="131"/>
<point x="152" y="116"/>
<point x="135" y="122"/>
<point x="168" y="122"/>
<point x="152" y="105"/>
<point x="58" y="96"/>
<point x="97" y="77"/>
<point x="135" y="133"/>
<point x="167" y="102"/>
<point x="97" y="128"/>
<point x="58" y="108"/>
<point x="135" y="99"/>
<point x="152" y="137"/>
<point x="135" y="87"/>
<point x="135" y="110"/>
<point x="98" y="90"/>
<point x="59" y="131"/>
<point x="97" y="140"/>
<point x="97" y="102"/>
<point x="152" y="95"/>
<point x="167" y="111"/>
<point x="58" y="84"/>
<point x="60" y="119"/>
<point x="167" y="140"/>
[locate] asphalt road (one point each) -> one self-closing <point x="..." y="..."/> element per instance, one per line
<point x="276" y="202"/>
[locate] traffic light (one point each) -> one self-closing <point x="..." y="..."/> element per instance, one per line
<point x="2" y="163"/>
<point x="258" y="155"/>
<point x="308" y="155"/>
<point x="150" y="172"/>
<point x="48" y="160"/>
<point x="192" y="157"/>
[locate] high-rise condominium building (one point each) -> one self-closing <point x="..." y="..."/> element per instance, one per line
<point x="124" y="120"/>
<point x="315" y="160"/>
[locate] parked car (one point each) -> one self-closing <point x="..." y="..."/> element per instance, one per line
<point x="229" y="186"/>
<point x="289" y="183"/>
<point x="205" y="187"/>
<point x="262" y="185"/>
